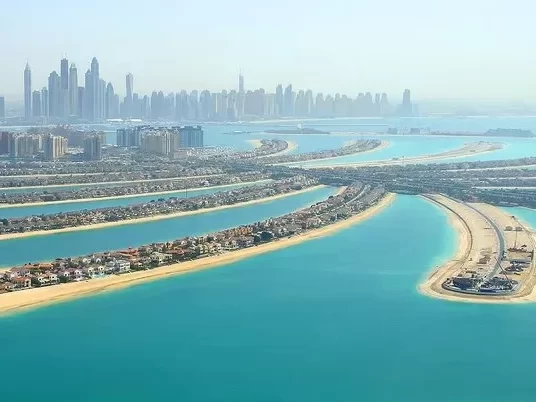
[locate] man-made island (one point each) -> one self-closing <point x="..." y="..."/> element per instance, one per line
<point x="497" y="132"/>
<point x="40" y="283"/>
<point x="354" y="147"/>
<point x="297" y="131"/>
<point x="495" y="258"/>
<point x="471" y="149"/>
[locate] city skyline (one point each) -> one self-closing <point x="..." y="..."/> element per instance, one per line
<point x="387" y="46"/>
<point x="96" y="100"/>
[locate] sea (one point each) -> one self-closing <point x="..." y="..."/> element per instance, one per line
<point x="334" y="319"/>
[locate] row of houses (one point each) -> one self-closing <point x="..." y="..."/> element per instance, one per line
<point x="354" y="199"/>
<point x="161" y="206"/>
<point x="38" y="275"/>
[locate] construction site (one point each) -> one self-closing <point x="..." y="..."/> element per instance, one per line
<point x="495" y="253"/>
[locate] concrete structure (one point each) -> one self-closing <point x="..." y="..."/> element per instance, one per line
<point x="2" y="108"/>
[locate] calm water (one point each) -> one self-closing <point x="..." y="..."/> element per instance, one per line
<point x="524" y="214"/>
<point x="48" y="247"/>
<point x="80" y="206"/>
<point x="335" y="319"/>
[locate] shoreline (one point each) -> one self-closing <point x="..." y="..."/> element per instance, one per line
<point x="383" y="145"/>
<point x="256" y="143"/>
<point x="431" y="285"/>
<point x="453" y="154"/>
<point x="46" y="186"/>
<point x="118" y="197"/>
<point x="12" y="236"/>
<point x="17" y="301"/>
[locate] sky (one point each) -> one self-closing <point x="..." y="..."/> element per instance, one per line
<point x="470" y="49"/>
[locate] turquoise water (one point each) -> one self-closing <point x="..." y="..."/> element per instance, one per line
<point x="526" y="215"/>
<point x="51" y="246"/>
<point x="335" y="319"/>
<point x="12" y="212"/>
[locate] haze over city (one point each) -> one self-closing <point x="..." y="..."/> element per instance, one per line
<point x="454" y="50"/>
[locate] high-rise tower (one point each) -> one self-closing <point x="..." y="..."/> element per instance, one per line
<point x="130" y="89"/>
<point x="73" y="90"/>
<point x="95" y="90"/>
<point x="27" y="92"/>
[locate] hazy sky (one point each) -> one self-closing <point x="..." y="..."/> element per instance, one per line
<point x="464" y="49"/>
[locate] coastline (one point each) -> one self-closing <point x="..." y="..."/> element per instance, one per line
<point x="101" y="183"/>
<point x="383" y="144"/>
<point x="453" y="154"/>
<point x="42" y="203"/>
<point x="431" y="285"/>
<point x="291" y="147"/>
<point x="18" y="301"/>
<point x="11" y="236"/>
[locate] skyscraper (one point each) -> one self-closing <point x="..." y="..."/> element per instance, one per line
<point x="36" y="103"/>
<point x="110" y="101"/>
<point x="406" y="107"/>
<point x="95" y="89"/>
<point x="64" y="74"/>
<point x="130" y="89"/>
<point x="288" y="106"/>
<point x="88" y="96"/>
<point x="240" y="99"/>
<point x="102" y="99"/>
<point x="279" y="102"/>
<point x="27" y="92"/>
<point x="2" y="107"/>
<point x="73" y="90"/>
<point x="81" y="101"/>
<point x="45" y="110"/>
<point x="54" y="89"/>
<point x="64" y="88"/>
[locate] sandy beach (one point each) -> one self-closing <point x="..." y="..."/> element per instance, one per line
<point x="467" y="150"/>
<point x="16" y="301"/>
<point x="103" y="183"/>
<point x="37" y="204"/>
<point x="473" y="236"/>
<point x="153" y="218"/>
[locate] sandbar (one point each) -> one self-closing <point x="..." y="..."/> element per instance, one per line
<point x="117" y="197"/>
<point x="103" y="225"/>
<point x="17" y="301"/>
